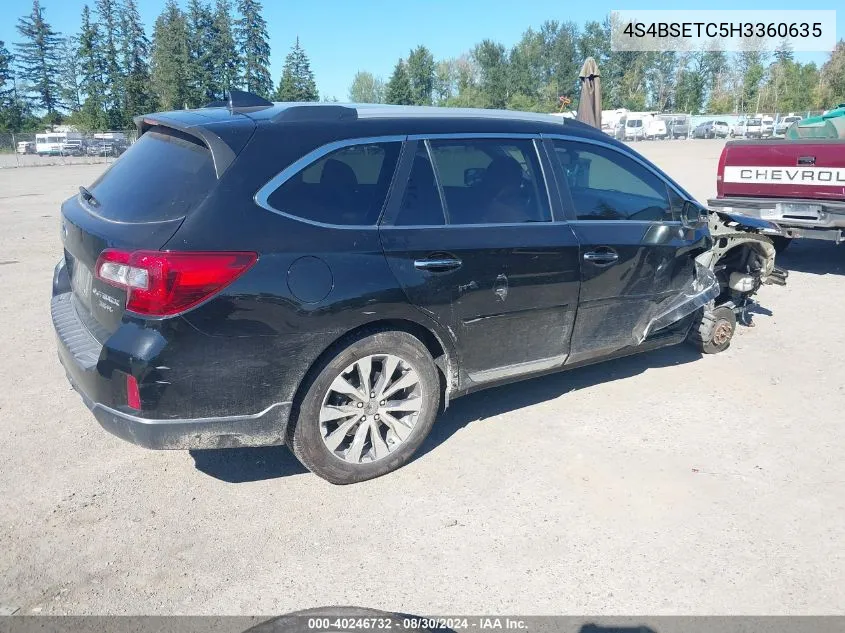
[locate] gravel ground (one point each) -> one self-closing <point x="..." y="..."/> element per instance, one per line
<point x="662" y="483"/>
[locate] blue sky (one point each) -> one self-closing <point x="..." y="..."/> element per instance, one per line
<point x="344" y="36"/>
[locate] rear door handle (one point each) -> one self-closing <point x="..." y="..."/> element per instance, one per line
<point x="438" y="264"/>
<point x="602" y="257"/>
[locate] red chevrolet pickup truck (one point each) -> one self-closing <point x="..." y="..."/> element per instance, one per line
<point x="798" y="185"/>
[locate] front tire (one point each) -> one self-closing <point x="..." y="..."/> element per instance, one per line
<point x="368" y="408"/>
<point x="713" y="330"/>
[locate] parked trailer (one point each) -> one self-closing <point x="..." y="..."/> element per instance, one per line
<point x="52" y="143"/>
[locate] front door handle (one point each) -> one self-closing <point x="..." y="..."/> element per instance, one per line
<point x="602" y="257"/>
<point x="438" y="264"/>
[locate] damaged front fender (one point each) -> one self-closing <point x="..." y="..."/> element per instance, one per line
<point x="702" y="290"/>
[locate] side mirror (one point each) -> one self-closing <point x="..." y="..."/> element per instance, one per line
<point x="693" y="215"/>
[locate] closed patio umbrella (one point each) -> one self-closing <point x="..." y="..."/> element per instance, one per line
<point x="589" y="105"/>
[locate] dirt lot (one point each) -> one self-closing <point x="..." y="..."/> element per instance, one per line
<point x="664" y="483"/>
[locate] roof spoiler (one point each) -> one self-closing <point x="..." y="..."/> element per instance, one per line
<point x="221" y="153"/>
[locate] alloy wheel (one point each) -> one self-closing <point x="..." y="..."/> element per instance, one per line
<point x="371" y="408"/>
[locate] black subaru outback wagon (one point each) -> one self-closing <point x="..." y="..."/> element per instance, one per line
<point x="329" y="276"/>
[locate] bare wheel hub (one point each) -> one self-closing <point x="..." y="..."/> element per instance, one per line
<point x="722" y="332"/>
<point x="370" y="408"/>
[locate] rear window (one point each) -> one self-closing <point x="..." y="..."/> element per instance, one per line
<point x="753" y="122"/>
<point x="162" y="176"/>
<point x="347" y="187"/>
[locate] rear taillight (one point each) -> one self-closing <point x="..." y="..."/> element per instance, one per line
<point x="720" y="172"/>
<point x="161" y="283"/>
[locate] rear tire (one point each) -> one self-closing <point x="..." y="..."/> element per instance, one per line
<point x="781" y="242"/>
<point x="382" y="437"/>
<point x="713" y="330"/>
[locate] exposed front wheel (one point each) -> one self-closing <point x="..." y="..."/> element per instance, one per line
<point x="713" y="330"/>
<point x="368" y="409"/>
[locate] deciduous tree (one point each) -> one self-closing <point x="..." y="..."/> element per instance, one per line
<point x="366" y="88"/>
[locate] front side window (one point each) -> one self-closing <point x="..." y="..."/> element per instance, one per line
<point x="347" y="186"/>
<point x="607" y="185"/>
<point x="491" y="181"/>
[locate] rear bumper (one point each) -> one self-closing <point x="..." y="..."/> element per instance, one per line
<point x="93" y="374"/>
<point x="828" y="225"/>
<point x="261" y="429"/>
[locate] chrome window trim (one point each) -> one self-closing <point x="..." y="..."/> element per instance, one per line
<point x="624" y="151"/>
<point x="262" y="196"/>
<point x="464" y="135"/>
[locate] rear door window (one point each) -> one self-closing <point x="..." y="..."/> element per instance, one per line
<point x="348" y="186"/>
<point x="162" y="176"/>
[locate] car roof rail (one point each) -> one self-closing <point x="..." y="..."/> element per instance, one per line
<point x="240" y="100"/>
<point x="316" y="112"/>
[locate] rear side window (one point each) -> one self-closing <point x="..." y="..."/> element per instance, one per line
<point x="607" y="185"/>
<point x="347" y="186"/>
<point x="491" y="181"/>
<point x="162" y="176"/>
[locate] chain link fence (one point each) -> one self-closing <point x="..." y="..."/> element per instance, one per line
<point x="30" y="149"/>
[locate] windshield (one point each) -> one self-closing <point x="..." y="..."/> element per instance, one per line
<point x="753" y="122"/>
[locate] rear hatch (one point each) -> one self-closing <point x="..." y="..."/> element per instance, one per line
<point x="140" y="202"/>
<point x="782" y="169"/>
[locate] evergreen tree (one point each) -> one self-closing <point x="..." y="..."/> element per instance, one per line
<point x="783" y="53"/>
<point x="297" y="82"/>
<point x="224" y="52"/>
<point x="69" y="77"/>
<point x="135" y="66"/>
<point x="366" y="88"/>
<point x="38" y="60"/>
<point x="421" y="75"/>
<point x="10" y="114"/>
<point x="200" y="54"/>
<point x="170" y="57"/>
<point x="398" y="90"/>
<point x="254" y="48"/>
<point x="107" y="14"/>
<point x="92" y="115"/>
<point x="7" y="76"/>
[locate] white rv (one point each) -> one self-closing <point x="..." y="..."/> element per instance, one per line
<point x="53" y="143"/>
